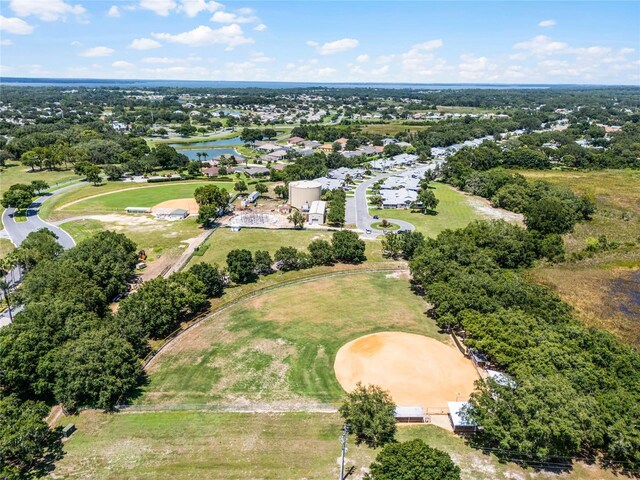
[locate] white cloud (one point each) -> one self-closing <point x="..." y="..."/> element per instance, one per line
<point x="228" y="17"/>
<point x="144" y="44"/>
<point x="542" y="45"/>
<point x="193" y="7"/>
<point x="47" y="10"/>
<point x="163" y="60"/>
<point x="114" y="11"/>
<point x="15" y="25"/>
<point x="260" y="28"/>
<point x="336" y="46"/>
<point x="6" y="42"/>
<point x="547" y="23"/>
<point x="160" y="7"/>
<point x="476" y="68"/>
<point x="76" y="43"/>
<point x="122" y="64"/>
<point x="98" y="52"/>
<point x="230" y="35"/>
<point x="362" y="58"/>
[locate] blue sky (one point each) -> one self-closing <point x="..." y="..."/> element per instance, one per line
<point x="363" y="41"/>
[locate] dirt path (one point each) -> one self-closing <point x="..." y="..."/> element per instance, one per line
<point x="484" y="207"/>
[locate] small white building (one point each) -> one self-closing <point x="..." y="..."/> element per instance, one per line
<point x="171" y="213"/>
<point x="317" y="212"/>
<point x="459" y="418"/>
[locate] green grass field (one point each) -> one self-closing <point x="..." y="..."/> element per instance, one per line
<point x="281" y="346"/>
<point x="15" y="172"/>
<point x="116" y="196"/>
<point x="224" y="240"/>
<point x="453" y="212"/>
<point x="229" y="446"/>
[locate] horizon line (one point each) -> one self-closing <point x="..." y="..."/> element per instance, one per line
<point x="4" y="79"/>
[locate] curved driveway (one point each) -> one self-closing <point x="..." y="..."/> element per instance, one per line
<point x="18" y="231"/>
<point x="363" y="219"/>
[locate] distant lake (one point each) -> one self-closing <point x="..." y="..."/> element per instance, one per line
<point x="209" y="143"/>
<point x="212" y="152"/>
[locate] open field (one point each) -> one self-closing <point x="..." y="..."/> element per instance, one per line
<point x="391" y="129"/>
<point x="280" y="347"/>
<point x="225" y="240"/>
<point x="217" y="446"/>
<point x="604" y="289"/>
<point x="616" y="192"/>
<point x="156" y="237"/>
<point x="14" y="172"/>
<point x="116" y="196"/>
<point x="454" y="211"/>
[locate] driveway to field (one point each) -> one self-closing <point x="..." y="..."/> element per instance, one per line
<point x="361" y="207"/>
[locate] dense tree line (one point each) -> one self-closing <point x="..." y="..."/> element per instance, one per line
<point x="345" y="247"/>
<point x="577" y="390"/>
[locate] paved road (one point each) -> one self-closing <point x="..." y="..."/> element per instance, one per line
<point x="362" y="217"/>
<point x="18" y="231"/>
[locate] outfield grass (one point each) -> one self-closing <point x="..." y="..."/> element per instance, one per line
<point x="187" y="445"/>
<point x="453" y="211"/>
<point x="116" y="196"/>
<point x="224" y="240"/>
<point x="280" y="346"/>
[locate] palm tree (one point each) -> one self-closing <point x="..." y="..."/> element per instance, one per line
<point x="205" y="155"/>
<point x="199" y="155"/>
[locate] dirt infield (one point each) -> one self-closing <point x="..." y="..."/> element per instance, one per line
<point x="415" y="369"/>
<point x="188" y="204"/>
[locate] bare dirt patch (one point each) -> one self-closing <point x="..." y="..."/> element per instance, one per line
<point x="189" y="204"/>
<point x="415" y="369"/>
<point x="484" y="207"/>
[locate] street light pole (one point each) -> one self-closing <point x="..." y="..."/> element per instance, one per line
<point x="343" y="441"/>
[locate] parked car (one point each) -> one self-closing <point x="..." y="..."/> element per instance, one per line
<point x="368" y="231"/>
<point x="375" y="217"/>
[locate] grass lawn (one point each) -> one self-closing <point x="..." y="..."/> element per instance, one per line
<point x="224" y="240"/>
<point x="280" y="346"/>
<point x="5" y="247"/>
<point x="118" y="196"/>
<point x="14" y="172"/>
<point x="187" y="445"/>
<point x="154" y="236"/>
<point x="389" y="226"/>
<point x="454" y="211"/>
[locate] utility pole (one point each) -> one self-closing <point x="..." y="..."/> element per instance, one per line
<point x="343" y="441"/>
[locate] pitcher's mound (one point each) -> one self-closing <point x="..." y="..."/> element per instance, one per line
<point x="416" y="370"/>
<point x="189" y="204"/>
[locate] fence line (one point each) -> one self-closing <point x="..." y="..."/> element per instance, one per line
<point x="147" y="360"/>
